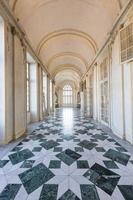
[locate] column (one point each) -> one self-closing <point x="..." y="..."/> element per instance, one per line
<point x="9" y="89"/>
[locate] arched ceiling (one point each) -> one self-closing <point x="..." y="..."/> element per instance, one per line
<point x="66" y="34"/>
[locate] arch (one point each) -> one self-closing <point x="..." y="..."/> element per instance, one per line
<point x="62" y="54"/>
<point x="74" y="32"/>
<point x="67" y="66"/>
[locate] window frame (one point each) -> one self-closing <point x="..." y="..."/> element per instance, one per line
<point x="28" y="86"/>
<point x="67" y="95"/>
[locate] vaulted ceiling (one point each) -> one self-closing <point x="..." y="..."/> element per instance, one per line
<point x="66" y="34"/>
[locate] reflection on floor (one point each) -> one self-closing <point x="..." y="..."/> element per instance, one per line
<point x="67" y="158"/>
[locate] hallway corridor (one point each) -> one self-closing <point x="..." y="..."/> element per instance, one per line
<point x="67" y="157"/>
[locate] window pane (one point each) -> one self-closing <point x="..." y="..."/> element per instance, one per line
<point x="67" y="95"/>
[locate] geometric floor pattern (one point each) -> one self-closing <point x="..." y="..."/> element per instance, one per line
<point x="67" y="157"/>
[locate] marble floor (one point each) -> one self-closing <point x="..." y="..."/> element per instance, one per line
<point x="67" y="157"/>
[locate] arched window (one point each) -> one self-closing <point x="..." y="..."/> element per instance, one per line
<point x="67" y="95"/>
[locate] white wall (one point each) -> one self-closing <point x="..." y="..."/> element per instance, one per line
<point x="9" y="117"/>
<point x="128" y="100"/>
<point x="20" y="88"/>
<point x="34" y="94"/>
<point x="2" y="80"/>
<point x="116" y="87"/>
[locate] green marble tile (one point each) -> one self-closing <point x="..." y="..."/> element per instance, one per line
<point x="58" y="149"/>
<point x="17" y="148"/>
<point x="89" y="192"/>
<point x="102" y="178"/>
<point x="117" y="156"/>
<point x="35" y="177"/>
<point x="79" y="149"/>
<point x="69" y="195"/>
<point x="55" y="164"/>
<point x="68" y="156"/>
<point x="100" y="149"/>
<point x="87" y="145"/>
<point x="26" y="140"/>
<point x="49" y="144"/>
<point x="68" y="137"/>
<point x="10" y="192"/>
<point x="100" y="137"/>
<point x="20" y="156"/>
<point x="76" y="140"/>
<point x="27" y="164"/>
<point x="37" y="149"/>
<point x="110" y="164"/>
<point x="131" y="161"/>
<point x="3" y="163"/>
<point x="49" y="192"/>
<point x="59" y="140"/>
<point x="82" y="164"/>
<point x="121" y="149"/>
<point x="127" y="191"/>
<point x="36" y="137"/>
<point x="111" y="140"/>
<point x="42" y="140"/>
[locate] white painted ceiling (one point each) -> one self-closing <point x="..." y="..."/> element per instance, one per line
<point x="67" y="34"/>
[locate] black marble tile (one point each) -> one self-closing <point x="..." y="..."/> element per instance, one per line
<point x="3" y="163"/>
<point x="20" y="156"/>
<point x="68" y="156"/>
<point x="35" y="177"/>
<point x="102" y="178"/>
<point x="89" y="192"/>
<point x="58" y="149"/>
<point x="10" y="192"/>
<point x="69" y="195"/>
<point x="37" y="149"/>
<point x="49" y="192"/>
<point x="117" y="156"/>
<point x="49" y="144"/>
<point x="55" y="164"/>
<point x="87" y="145"/>
<point x="82" y="164"/>
<point x="110" y="164"/>
<point x="100" y="149"/>
<point x="27" y="164"/>
<point x="127" y="191"/>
